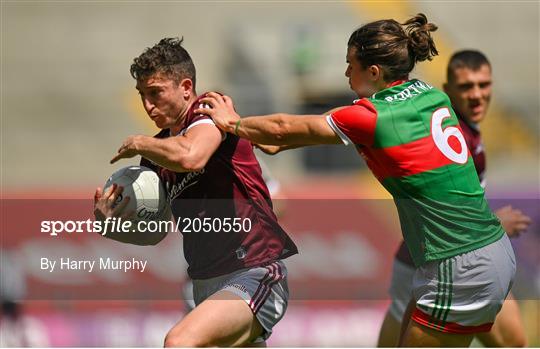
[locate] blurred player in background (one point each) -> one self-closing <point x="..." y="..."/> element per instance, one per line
<point x="468" y="85"/>
<point x="13" y="329"/>
<point x="410" y="137"/>
<point x="239" y="278"/>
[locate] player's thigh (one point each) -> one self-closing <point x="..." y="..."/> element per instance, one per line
<point x="508" y="329"/>
<point x="389" y="335"/>
<point x="417" y="335"/>
<point x="401" y="292"/>
<point x="224" y="319"/>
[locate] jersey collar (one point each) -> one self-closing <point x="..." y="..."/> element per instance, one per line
<point x="391" y="84"/>
<point x="396" y="82"/>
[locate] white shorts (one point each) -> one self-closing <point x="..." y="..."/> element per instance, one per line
<point x="401" y="288"/>
<point x="463" y="294"/>
<point x="264" y="289"/>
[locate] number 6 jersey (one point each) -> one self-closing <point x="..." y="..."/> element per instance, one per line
<point x="411" y="140"/>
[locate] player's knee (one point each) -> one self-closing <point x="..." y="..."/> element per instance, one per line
<point x="183" y="339"/>
<point x="515" y="342"/>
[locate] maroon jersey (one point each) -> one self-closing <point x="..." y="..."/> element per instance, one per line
<point x="229" y="186"/>
<point x="471" y="132"/>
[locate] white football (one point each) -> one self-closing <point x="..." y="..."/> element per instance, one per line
<point x="148" y="199"/>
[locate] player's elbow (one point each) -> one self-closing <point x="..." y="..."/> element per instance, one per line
<point x="189" y="161"/>
<point x="192" y="163"/>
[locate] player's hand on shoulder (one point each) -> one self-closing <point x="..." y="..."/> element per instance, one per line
<point x="221" y="111"/>
<point x="514" y="221"/>
<point x="110" y="203"/>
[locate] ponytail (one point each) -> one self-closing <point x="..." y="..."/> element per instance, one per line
<point x="420" y="43"/>
<point x="395" y="47"/>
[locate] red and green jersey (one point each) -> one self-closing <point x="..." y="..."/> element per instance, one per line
<point x="411" y="140"/>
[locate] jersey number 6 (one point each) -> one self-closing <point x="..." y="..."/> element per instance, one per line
<point x="441" y="137"/>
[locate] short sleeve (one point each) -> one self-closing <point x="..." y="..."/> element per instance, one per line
<point x="198" y="119"/>
<point x="355" y="124"/>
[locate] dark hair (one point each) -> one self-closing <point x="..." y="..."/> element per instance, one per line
<point x="393" y="46"/>
<point x="168" y="57"/>
<point x="471" y="59"/>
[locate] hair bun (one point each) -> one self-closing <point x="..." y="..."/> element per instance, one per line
<point x="420" y="42"/>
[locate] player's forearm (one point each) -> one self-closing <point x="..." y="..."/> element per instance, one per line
<point x="174" y="154"/>
<point x="274" y="129"/>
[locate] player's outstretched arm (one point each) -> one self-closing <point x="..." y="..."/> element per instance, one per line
<point x="275" y="129"/>
<point x="292" y="131"/>
<point x="186" y="153"/>
<point x="274" y="149"/>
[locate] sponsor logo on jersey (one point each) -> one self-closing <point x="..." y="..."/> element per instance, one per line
<point x="190" y="179"/>
<point x="238" y="286"/>
<point x="241" y="252"/>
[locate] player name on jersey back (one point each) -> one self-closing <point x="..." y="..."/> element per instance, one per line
<point x="414" y="89"/>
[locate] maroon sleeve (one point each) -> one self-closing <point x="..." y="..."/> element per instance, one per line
<point x="356" y="122"/>
<point x="192" y="117"/>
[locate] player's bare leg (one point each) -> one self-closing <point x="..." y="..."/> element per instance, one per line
<point x="394" y="331"/>
<point x="507" y="330"/>
<point x="417" y="335"/>
<point x="389" y="334"/>
<point x="224" y="319"/>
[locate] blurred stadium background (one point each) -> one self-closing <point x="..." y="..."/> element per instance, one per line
<point x="68" y="101"/>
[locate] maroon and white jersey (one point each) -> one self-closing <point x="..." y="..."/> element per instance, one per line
<point x="229" y="187"/>
<point x="471" y="132"/>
